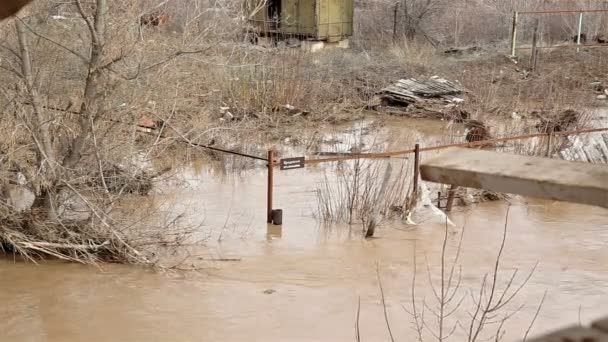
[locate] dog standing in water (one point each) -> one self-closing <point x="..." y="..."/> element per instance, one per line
<point x="11" y="7"/>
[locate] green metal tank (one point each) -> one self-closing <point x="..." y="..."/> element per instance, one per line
<point x="326" y="20"/>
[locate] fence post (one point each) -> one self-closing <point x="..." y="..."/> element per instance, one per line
<point x="416" y="175"/>
<point x="514" y="35"/>
<point x="395" y="22"/>
<point x="451" y="196"/>
<point x="439" y="200"/>
<point x="580" y="29"/>
<point x="534" y="54"/>
<point x="549" y="144"/>
<point x="270" y="184"/>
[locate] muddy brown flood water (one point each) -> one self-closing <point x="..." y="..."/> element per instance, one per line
<point x="302" y="282"/>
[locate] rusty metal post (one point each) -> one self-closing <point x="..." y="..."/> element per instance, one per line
<point x="514" y="35"/>
<point x="270" y="184"/>
<point x="549" y="144"/>
<point x="439" y="199"/>
<point x="451" y="195"/>
<point x="416" y="175"/>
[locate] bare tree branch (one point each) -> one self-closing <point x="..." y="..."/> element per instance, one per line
<point x="51" y="40"/>
<point x="388" y="325"/>
<point x="92" y="26"/>
<point x="357" y="332"/>
<point x="540" y="305"/>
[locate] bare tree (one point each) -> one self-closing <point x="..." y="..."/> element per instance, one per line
<point x="77" y="145"/>
<point x="414" y="12"/>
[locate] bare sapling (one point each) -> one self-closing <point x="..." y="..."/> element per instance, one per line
<point x="454" y="314"/>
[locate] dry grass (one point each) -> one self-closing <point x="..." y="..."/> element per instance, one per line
<point x="365" y="191"/>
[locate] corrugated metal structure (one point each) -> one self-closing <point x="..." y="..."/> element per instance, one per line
<point x="408" y="91"/>
<point x="326" y="20"/>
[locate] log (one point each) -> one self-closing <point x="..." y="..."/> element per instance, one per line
<point x="41" y="244"/>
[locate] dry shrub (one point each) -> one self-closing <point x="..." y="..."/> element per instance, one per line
<point x="136" y="234"/>
<point x="417" y="57"/>
<point x="365" y="191"/>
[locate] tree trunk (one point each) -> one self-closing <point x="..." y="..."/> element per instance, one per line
<point x="40" y="127"/>
<point x="40" y="124"/>
<point x="89" y="111"/>
<point x="409" y="26"/>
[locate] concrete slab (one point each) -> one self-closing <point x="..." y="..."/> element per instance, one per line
<point x="529" y="176"/>
<point x="573" y="334"/>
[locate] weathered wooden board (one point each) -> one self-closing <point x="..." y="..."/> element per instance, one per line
<point x="529" y="176"/>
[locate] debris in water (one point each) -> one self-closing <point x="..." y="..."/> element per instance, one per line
<point x="269" y="291"/>
<point x="477" y="131"/>
<point x="425" y="202"/>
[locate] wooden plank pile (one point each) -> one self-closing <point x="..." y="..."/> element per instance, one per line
<point x="410" y="91"/>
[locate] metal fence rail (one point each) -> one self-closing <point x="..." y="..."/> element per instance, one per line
<point x="301" y="162"/>
<point x="276" y="215"/>
<point x="578" y="43"/>
<point x="441" y="147"/>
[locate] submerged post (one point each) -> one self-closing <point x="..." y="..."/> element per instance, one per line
<point x="439" y="199"/>
<point x="270" y="185"/>
<point x="451" y="196"/>
<point x="514" y="34"/>
<point x="416" y="174"/>
<point x="580" y="29"/>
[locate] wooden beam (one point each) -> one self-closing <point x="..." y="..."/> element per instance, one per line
<point x="529" y="176"/>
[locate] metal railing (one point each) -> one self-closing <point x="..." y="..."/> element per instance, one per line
<point x="300" y="162"/>
<point x="441" y="147"/>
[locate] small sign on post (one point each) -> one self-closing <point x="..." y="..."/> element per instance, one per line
<point x="292" y="163"/>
